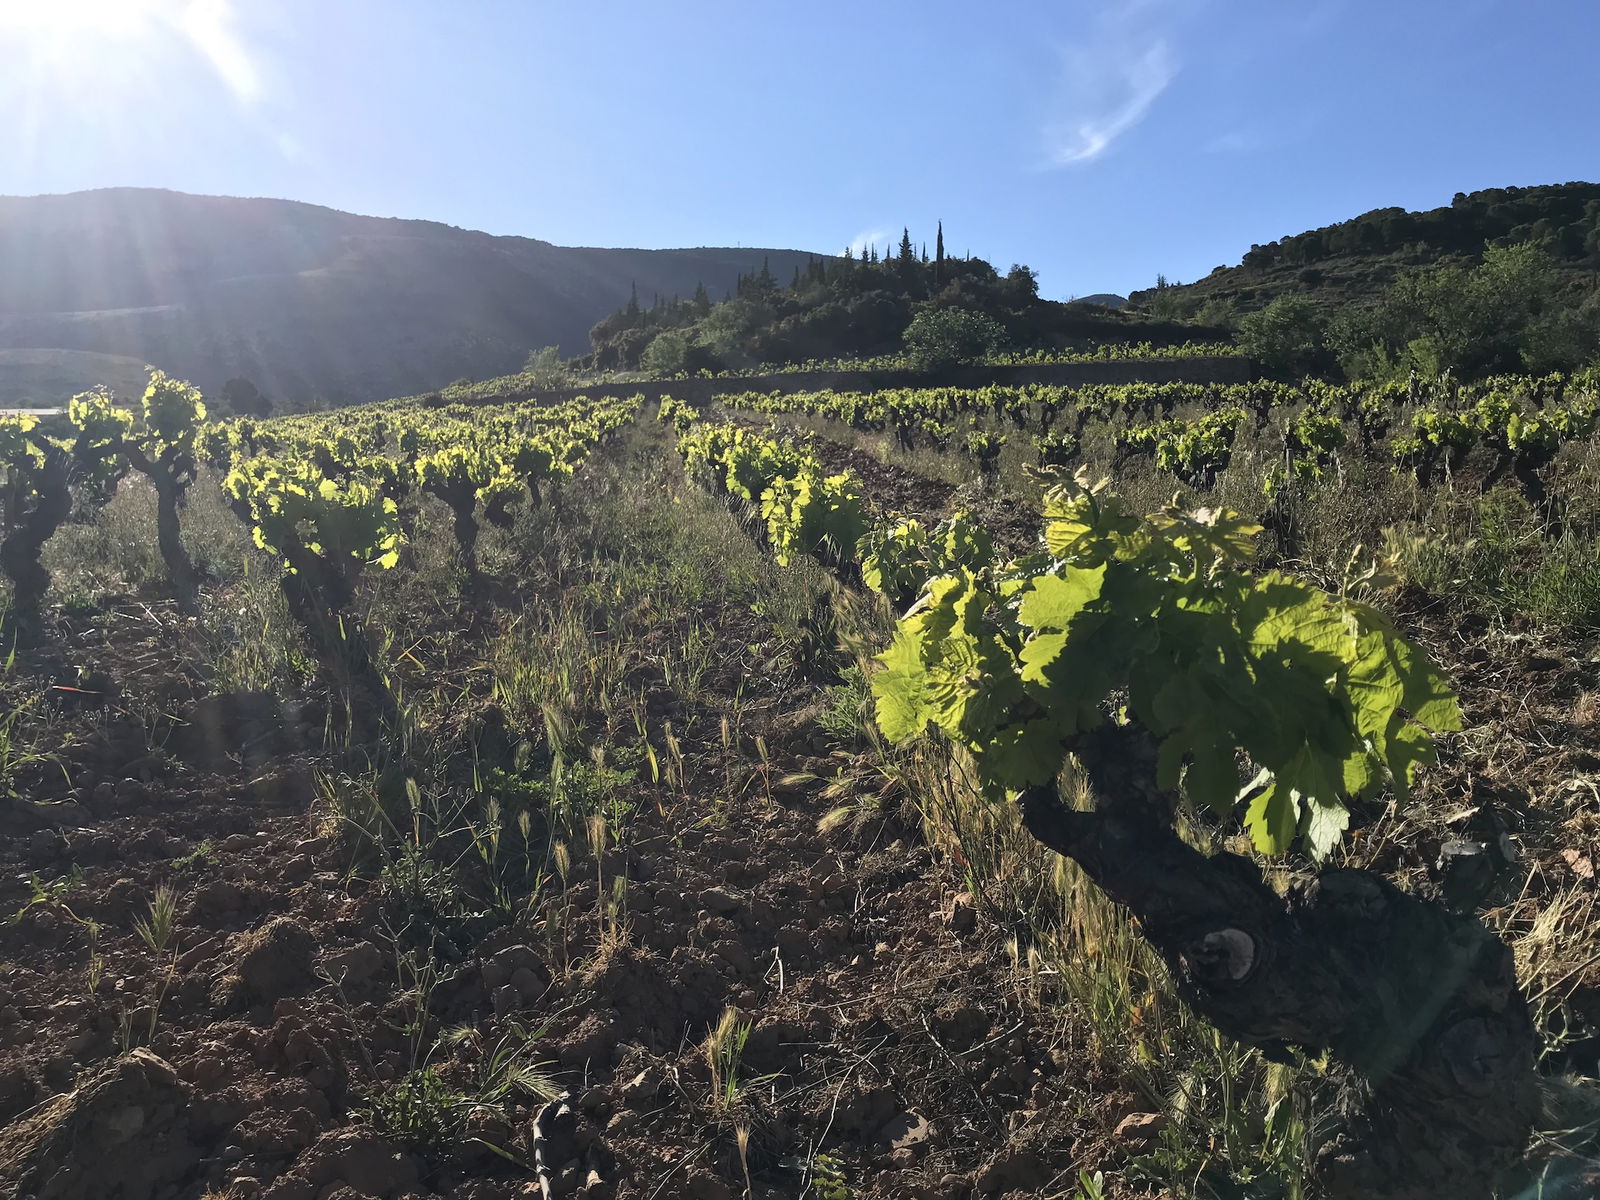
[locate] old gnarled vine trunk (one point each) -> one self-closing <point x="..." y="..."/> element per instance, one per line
<point x="1419" y="1002"/>
<point x="171" y="480"/>
<point x="34" y="519"/>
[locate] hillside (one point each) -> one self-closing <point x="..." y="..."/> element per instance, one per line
<point x="307" y="300"/>
<point x="856" y="309"/>
<point x="1353" y="261"/>
<point x="42" y="378"/>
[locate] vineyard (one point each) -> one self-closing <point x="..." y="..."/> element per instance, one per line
<point x="1115" y="791"/>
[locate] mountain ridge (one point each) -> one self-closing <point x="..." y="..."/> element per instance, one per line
<point x="1351" y="261"/>
<point x="305" y="300"/>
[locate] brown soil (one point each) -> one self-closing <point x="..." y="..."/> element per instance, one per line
<point x="882" y="1032"/>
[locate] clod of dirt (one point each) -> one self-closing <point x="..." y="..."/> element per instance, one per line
<point x="1140" y="1129"/>
<point x="46" y="845"/>
<point x="643" y="1087"/>
<point x="720" y="901"/>
<point x="356" y="965"/>
<point x="961" y="918"/>
<point x="217" y="900"/>
<point x="1010" y="1171"/>
<point x="130" y="1114"/>
<point x="905" y="1131"/>
<point x="18" y="1091"/>
<point x="248" y="726"/>
<point x="705" y="1186"/>
<point x="357" y="1159"/>
<point x="270" y="963"/>
<point x="519" y="968"/>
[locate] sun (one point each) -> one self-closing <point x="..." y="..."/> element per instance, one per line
<point x="57" y="38"/>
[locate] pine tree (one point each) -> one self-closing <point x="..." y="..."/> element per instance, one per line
<point x="633" y="304"/>
<point x="702" y="302"/>
<point x="907" y="251"/>
<point x="794" y="284"/>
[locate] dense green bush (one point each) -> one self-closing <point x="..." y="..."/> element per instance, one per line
<point x="941" y="338"/>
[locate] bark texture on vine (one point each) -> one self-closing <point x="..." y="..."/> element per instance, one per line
<point x="1419" y="1003"/>
<point x="33" y="520"/>
<point x="171" y="478"/>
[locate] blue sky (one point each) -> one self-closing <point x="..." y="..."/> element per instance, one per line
<point x="1100" y="142"/>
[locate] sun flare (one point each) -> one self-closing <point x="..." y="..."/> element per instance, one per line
<point x="58" y="36"/>
<point x="85" y="18"/>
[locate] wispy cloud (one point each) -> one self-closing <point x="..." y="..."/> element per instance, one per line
<point x="1110" y="78"/>
<point x="868" y="237"/>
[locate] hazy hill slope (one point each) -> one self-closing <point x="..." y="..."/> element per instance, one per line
<point x="1353" y="260"/>
<point x="303" y="299"/>
<point x="43" y="378"/>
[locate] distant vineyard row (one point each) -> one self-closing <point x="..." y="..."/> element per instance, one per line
<point x="1190" y="430"/>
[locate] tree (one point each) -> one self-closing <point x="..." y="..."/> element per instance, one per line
<point x="546" y="369"/>
<point x="941" y="338"/>
<point x="1508" y="313"/>
<point x="908" y="253"/>
<point x="1023" y="283"/>
<point x="241" y="398"/>
<point x="1287" y="339"/>
<point x="668" y="353"/>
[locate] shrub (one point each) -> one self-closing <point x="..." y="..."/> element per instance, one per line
<point x="941" y="338"/>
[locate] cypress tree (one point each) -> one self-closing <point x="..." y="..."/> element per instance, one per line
<point x="907" y="251"/>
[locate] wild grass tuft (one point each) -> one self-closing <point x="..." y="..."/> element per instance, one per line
<point x="156" y="929"/>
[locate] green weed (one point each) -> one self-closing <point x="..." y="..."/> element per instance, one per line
<point x="156" y="929"/>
